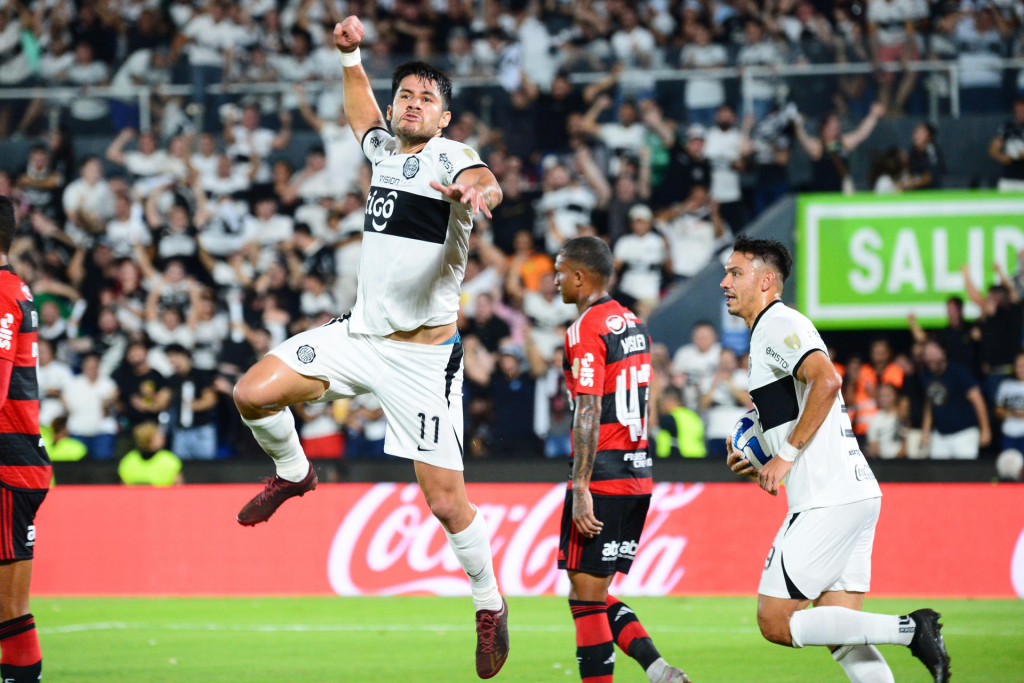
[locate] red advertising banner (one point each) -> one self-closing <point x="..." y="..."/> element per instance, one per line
<point x="949" y="540"/>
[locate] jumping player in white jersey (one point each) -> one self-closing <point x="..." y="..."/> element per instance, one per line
<point x="822" y="553"/>
<point x="400" y="341"/>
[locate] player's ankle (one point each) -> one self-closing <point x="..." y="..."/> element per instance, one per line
<point x="656" y="669"/>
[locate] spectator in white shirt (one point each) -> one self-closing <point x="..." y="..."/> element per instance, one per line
<point x="640" y="258"/>
<point x="267" y="227"/>
<point x="723" y="401"/>
<point x="340" y="145"/>
<point x="893" y="40"/>
<point x="89" y="115"/>
<point x="886" y="432"/>
<point x="759" y="50"/>
<point x="699" y="358"/>
<point x="703" y="95"/>
<point x="54" y="377"/>
<point x="564" y="206"/>
<point x="88" y="202"/>
<point x="89" y="398"/>
<point x="248" y="141"/>
<point x="548" y="315"/>
<point x="723" y="146"/>
<point x="127" y="229"/>
<point x="145" y="162"/>
<point x="1009" y="407"/>
<point x="633" y="44"/>
<point x="209" y="39"/>
<point x="315" y="182"/>
<point x="694" y="230"/>
<point x="625" y="137"/>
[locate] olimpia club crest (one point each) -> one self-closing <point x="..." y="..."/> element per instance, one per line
<point x="411" y="168"/>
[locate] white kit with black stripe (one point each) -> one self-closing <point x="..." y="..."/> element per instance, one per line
<point x="830" y="470"/>
<point x="415" y="240"/>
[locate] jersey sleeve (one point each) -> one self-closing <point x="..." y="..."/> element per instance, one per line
<point x="10" y="323"/>
<point x="373" y="142"/>
<point x="586" y="355"/>
<point x="790" y="339"/>
<point x="453" y="158"/>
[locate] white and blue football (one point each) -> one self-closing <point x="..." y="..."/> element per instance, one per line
<point x="747" y="438"/>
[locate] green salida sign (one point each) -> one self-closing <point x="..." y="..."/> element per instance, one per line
<point x="870" y="261"/>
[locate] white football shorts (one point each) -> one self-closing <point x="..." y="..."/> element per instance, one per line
<point x="821" y="550"/>
<point x="419" y="386"/>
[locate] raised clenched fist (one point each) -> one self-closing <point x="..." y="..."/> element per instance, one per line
<point x="348" y="34"/>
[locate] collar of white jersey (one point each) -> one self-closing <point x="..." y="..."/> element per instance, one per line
<point x="761" y="314"/>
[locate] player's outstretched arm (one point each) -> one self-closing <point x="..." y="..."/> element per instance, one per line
<point x="477" y="188"/>
<point x="823" y="385"/>
<point x="586" y="430"/>
<point x="360" y="105"/>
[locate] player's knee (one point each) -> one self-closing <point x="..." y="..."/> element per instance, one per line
<point x="774" y="627"/>
<point x="247" y="399"/>
<point x="444" y="508"/>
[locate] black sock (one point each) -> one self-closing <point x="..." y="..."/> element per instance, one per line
<point x="32" y="673"/>
<point x="630" y="634"/>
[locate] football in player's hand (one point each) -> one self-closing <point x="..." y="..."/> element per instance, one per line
<point x="748" y="440"/>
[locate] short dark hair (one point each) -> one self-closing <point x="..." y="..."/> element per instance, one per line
<point x="772" y="252"/>
<point x="176" y="349"/>
<point x="427" y="73"/>
<point x="7" y="224"/>
<point x="592" y="253"/>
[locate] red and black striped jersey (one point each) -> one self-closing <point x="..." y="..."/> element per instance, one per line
<point x="608" y="354"/>
<point x="24" y="463"/>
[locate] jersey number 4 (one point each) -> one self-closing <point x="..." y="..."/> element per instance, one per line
<point x="627" y="400"/>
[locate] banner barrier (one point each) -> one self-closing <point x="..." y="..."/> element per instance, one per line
<point x="941" y="540"/>
<point x="870" y="260"/>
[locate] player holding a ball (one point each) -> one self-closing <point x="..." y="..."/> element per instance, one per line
<point x="822" y="553"/>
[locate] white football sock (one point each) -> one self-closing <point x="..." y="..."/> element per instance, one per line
<point x="656" y="670"/>
<point x="277" y="436"/>
<point x="473" y="548"/>
<point x="842" y="626"/>
<point x="863" y="664"/>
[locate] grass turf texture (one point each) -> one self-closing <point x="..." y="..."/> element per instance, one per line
<point x="380" y="640"/>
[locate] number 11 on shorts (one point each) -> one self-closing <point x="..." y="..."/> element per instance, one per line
<point x="423" y="426"/>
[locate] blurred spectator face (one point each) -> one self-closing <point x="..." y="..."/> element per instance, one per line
<point x="561" y="87"/>
<point x="695" y="147"/>
<point x="753" y="32"/>
<point x="181" y="362"/>
<point x="312" y="284"/>
<point x="701" y="34"/>
<point x="557" y="177"/>
<point x="207" y="308"/>
<point x="207" y="144"/>
<point x="1018" y="367"/>
<point x="934" y="357"/>
<point x="5" y="184"/>
<point x="703" y="337"/>
<point x="217" y="11"/>
<point x="725" y="117"/>
<point x="128" y="275"/>
<point x="523" y="243"/>
<point x="998" y="296"/>
<point x="122" y="207"/>
<point x="260" y="341"/>
<point x="278" y="276"/>
<point x="107" y="322"/>
<point x="136" y="355"/>
<point x="119" y="185"/>
<point x="175" y="272"/>
<point x="92" y="171"/>
<point x="266" y="208"/>
<point x="574" y="124"/>
<point x="282" y="171"/>
<point x="921" y="136"/>
<point x="887" y="397"/>
<point x="171" y="318"/>
<point x="955" y="312"/>
<point x="178" y="147"/>
<point x="1018" y="111"/>
<point x="627" y="114"/>
<point x="91" y="367"/>
<point x="224" y="166"/>
<point x="417" y="111"/>
<point x="300" y="44"/>
<point x="804" y="12"/>
<point x="625" y="188"/>
<point x="39" y="159"/>
<point x="830" y="129"/>
<point x="251" y="117"/>
<point x="629" y="20"/>
<point x="177" y="219"/>
<point x="640" y="226"/>
<point x="727" y="362"/>
<point x="147" y="143"/>
<point x="881" y="353"/>
<point x="83" y="53"/>
<point x="509" y="365"/>
<point x="547" y="285"/>
<point x="50" y="313"/>
<point x="45" y="352"/>
<point x="316" y="161"/>
<point x="484" y="308"/>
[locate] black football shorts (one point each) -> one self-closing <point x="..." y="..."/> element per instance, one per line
<point x="18" y="522"/>
<point x="615" y="547"/>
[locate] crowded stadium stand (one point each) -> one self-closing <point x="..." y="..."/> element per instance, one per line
<point x="190" y="195"/>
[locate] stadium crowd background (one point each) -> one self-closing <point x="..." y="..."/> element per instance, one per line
<point x="165" y="268"/>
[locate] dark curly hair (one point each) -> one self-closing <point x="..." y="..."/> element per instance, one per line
<point x="772" y="252"/>
<point x="427" y="73"/>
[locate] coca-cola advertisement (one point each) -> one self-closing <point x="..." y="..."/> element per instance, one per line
<point x="380" y="539"/>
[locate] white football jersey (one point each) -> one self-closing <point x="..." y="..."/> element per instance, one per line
<point x="415" y="241"/>
<point x="830" y="470"/>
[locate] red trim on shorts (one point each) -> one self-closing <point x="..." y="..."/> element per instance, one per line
<point x="622" y="487"/>
<point x="26" y="476"/>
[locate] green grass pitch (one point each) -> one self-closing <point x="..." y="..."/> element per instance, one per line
<point x="383" y="640"/>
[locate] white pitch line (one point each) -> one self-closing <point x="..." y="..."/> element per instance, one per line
<point x="413" y="628"/>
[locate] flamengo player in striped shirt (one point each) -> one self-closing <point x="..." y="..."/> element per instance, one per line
<point x="607" y="373"/>
<point x="24" y="465"/>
